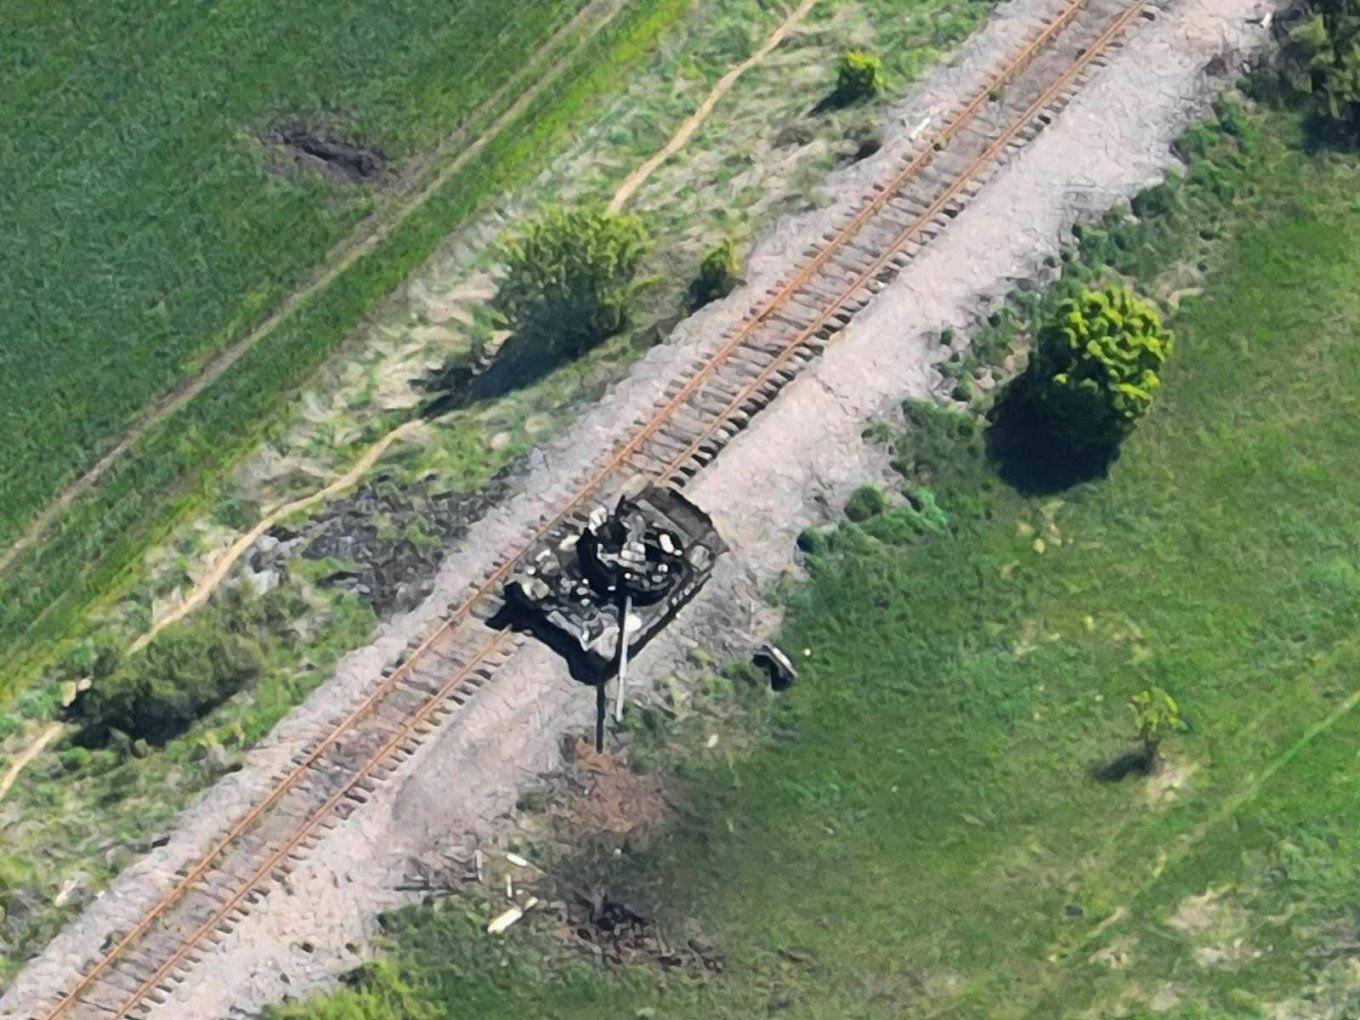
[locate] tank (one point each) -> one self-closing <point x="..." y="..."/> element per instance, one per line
<point x="652" y="552"/>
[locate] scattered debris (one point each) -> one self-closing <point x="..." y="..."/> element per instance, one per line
<point x="394" y="539"/>
<point x="613" y="933"/>
<point x="504" y="920"/>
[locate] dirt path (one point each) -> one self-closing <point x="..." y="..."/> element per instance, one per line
<point x="217" y="573"/>
<point x="540" y="72"/>
<point x="806" y="449"/>
<point x="210" y="581"/>
<point x="695" y="120"/>
<point x="27" y="755"/>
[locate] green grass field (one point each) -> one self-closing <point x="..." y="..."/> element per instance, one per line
<point x="924" y="838"/>
<point x="143" y="218"/>
<point x="222" y="279"/>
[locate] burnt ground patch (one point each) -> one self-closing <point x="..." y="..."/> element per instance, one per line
<point x="394" y="537"/>
<point x="338" y="159"/>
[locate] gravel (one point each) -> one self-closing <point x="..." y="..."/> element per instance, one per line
<point x="806" y="449"/>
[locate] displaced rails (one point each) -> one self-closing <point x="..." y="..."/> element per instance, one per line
<point x="700" y="413"/>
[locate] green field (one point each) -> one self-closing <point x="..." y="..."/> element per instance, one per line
<point x="164" y="269"/>
<point x="145" y="221"/>
<point x="924" y="837"/>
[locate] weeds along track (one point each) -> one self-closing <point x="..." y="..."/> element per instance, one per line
<point x="724" y="388"/>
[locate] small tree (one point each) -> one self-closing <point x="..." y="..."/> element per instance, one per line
<point x="1155" y="715"/>
<point x="1096" y="365"/>
<point x="571" y="278"/>
<point x="718" y="269"/>
<point x="860" y="76"/>
<point x="1325" y="66"/>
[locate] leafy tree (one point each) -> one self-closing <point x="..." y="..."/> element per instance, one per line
<point x="718" y="269"/>
<point x="1095" y="368"/>
<point x="859" y="76"/>
<point x="1155" y="715"/>
<point x="571" y="279"/>
<point x="1325" y="67"/>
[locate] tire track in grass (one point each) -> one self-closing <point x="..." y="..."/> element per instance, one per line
<point x="1227" y="809"/>
<point x="1061" y="957"/>
<point x="210" y="581"/>
<point x="540" y="72"/>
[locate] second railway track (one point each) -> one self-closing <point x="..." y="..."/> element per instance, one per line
<point x="702" y="411"/>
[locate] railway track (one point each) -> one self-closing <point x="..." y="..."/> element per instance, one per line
<point x="724" y="388"/>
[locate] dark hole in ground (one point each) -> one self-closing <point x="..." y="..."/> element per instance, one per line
<point x="1030" y="458"/>
<point x="1137" y="763"/>
<point x="865" y="146"/>
<point x="333" y="158"/>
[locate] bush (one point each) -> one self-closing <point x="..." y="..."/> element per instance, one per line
<point x="73" y="759"/>
<point x="1155" y="716"/>
<point x="812" y="542"/>
<point x="864" y="503"/>
<point x="1095" y="368"/>
<point x="718" y="269"/>
<point x="1324" y="65"/>
<point x="189" y="669"/>
<point x="571" y="279"/>
<point x="860" y="76"/>
<point x="179" y="677"/>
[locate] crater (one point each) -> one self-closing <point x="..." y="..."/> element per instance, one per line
<point x="336" y="159"/>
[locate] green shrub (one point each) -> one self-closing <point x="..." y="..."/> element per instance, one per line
<point x="718" y="269"/>
<point x="1324" y="63"/>
<point x="1095" y="367"/>
<point x="189" y="669"/>
<point x="920" y="516"/>
<point x="860" y="76"/>
<point x="1155" y="716"/>
<point x="571" y="279"/>
<point x="864" y="503"/>
<point x="179" y="677"/>
<point x="934" y="442"/>
<point x="375" y="991"/>
<point x="73" y="759"/>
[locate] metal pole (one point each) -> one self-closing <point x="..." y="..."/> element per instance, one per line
<point x="623" y="657"/>
<point x="600" y="711"/>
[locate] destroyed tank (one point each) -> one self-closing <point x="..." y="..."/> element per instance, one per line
<point x="650" y="554"/>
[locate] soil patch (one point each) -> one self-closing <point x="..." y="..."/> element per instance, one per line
<point x="333" y="158"/>
<point x="609" y="797"/>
